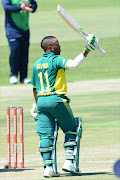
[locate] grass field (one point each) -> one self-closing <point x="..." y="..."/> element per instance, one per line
<point x="100" y="18"/>
<point x="99" y="144"/>
<point x="99" y="110"/>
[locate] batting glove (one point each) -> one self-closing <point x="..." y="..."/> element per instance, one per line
<point x="91" y="43"/>
<point x="34" y="111"/>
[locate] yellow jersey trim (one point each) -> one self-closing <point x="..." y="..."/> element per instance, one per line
<point x="60" y="83"/>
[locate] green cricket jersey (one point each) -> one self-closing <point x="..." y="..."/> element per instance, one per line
<point x="21" y="18"/>
<point x="49" y="75"/>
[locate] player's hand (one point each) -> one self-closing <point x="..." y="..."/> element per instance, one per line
<point x="25" y="6"/>
<point x="91" y="43"/>
<point x="34" y="111"/>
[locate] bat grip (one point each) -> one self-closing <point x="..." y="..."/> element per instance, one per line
<point x="100" y="49"/>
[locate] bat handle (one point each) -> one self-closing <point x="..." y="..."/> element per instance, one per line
<point x="100" y="49"/>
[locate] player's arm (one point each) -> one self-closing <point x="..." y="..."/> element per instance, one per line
<point x="26" y="6"/>
<point x="35" y="94"/>
<point x="34" y="111"/>
<point x="33" y="5"/>
<point x="90" y="45"/>
<point x="10" y="8"/>
<point x="33" y="83"/>
<point x="71" y="64"/>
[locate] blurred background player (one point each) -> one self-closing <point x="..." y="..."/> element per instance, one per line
<point x="49" y="89"/>
<point x="18" y="35"/>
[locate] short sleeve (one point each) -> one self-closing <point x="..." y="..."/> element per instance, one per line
<point x="60" y="62"/>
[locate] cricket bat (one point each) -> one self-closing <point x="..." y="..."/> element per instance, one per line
<point x="74" y="25"/>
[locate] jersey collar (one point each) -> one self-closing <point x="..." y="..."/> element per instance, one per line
<point x="48" y="54"/>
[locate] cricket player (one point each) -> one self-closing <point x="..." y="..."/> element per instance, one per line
<point x="49" y="89"/>
<point x="18" y="35"/>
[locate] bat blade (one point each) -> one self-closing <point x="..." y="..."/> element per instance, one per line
<point x="67" y="18"/>
<point x="74" y="25"/>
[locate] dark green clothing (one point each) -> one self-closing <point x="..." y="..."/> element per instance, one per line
<point x="49" y="109"/>
<point x="49" y="80"/>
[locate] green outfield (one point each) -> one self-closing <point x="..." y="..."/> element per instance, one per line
<point x="100" y="18"/>
<point x="99" y="144"/>
<point x="100" y="110"/>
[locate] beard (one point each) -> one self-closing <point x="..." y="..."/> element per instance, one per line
<point x="57" y="51"/>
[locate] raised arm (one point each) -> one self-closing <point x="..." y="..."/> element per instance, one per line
<point x="90" y="45"/>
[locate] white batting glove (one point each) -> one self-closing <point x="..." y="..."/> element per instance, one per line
<point x="34" y="111"/>
<point x="91" y="43"/>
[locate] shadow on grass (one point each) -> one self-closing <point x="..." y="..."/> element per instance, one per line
<point x="15" y="170"/>
<point x="96" y="173"/>
<point x="87" y="174"/>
